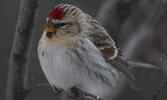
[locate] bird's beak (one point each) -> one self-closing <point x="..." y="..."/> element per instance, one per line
<point x="49" y="29"/>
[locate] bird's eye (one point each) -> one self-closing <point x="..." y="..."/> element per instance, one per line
<point x="62" y="24"/>
<point x="59" y="25"/>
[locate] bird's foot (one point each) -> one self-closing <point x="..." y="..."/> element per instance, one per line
<point x="56" y="90"/>
<point x="73" y="93"/>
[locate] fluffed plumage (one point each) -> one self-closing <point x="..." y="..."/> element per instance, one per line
<point x="76" y="51"/>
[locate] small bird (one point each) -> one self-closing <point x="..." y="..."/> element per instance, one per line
<point x="76" y="51"/>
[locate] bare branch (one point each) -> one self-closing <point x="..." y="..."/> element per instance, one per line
<point x="81" y="94"/>
<point x="155" y="96"/>
<point x="113" y="13"/>
<point x="103" y="16"/>
<point x="36" y="87"/>
<point x="145" y="33"/>
<point x="141" y="64"/>
<point x="19" y="58"/>
<point x="85" y="94"/>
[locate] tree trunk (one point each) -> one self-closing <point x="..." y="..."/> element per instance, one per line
<point x="19" y="58"/>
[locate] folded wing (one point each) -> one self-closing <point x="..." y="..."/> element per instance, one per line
<point x="110" y="52"/>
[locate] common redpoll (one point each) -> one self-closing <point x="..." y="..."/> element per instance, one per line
<point x="76" y="51"/>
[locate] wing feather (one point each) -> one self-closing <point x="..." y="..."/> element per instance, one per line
<point x="112" y="55"/>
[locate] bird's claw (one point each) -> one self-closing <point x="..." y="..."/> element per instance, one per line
<point x="56" y="90"/>
<point x="73" y="93"/>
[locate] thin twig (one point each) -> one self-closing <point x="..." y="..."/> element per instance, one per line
<point x="155" y="96"/>
<point x="83" y="93"/>
<point x="80" y="92"/>
<point x="37" y="86"/>
<point x="141" y="64"/>
<point x="140" y="39"/>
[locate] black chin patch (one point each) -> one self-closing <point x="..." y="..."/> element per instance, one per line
<point x="49" y="34"/>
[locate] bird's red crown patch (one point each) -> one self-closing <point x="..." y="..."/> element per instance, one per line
<point x="56" y="13"/>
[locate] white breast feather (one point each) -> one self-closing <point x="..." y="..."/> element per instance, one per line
<point x="64" y="70"/>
